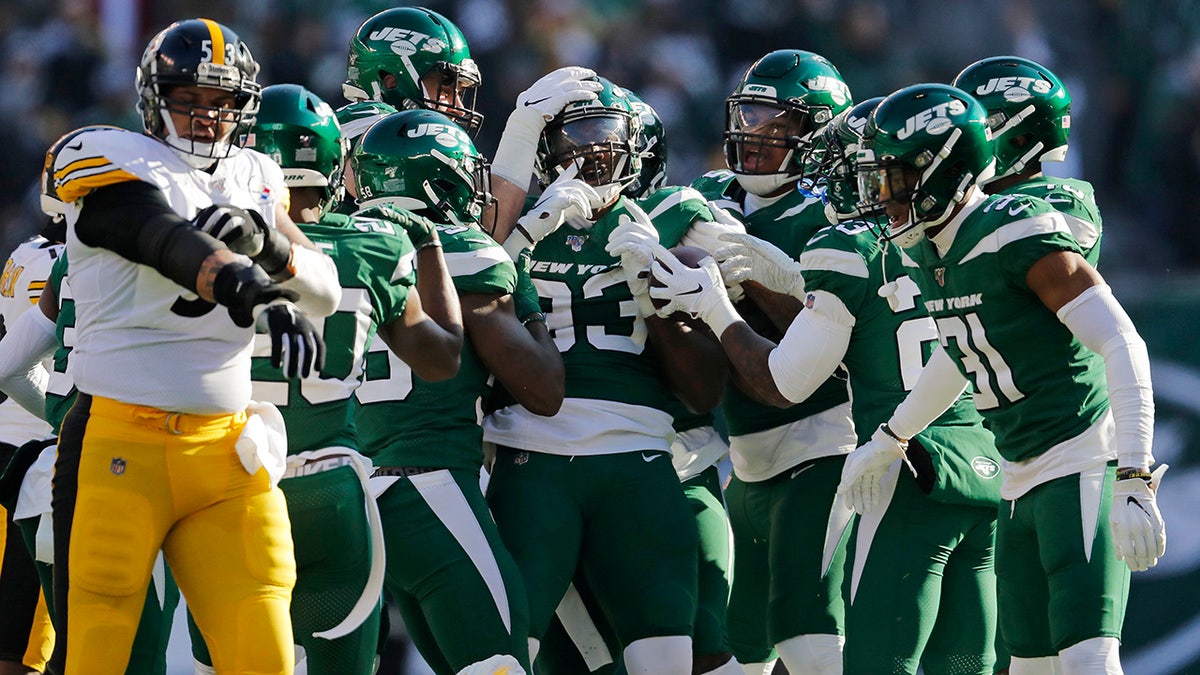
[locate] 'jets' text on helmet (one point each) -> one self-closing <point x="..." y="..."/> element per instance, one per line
<point x="413" y="58"/>
<point x="924" y="147"/>
<point x="839" y="161"/>
<point x="197" y="53"/>
<point x="300" y="132"/>
<point x="652" y="149"/>
<point x="602" y="136"/>
<point x="782" y="101"/>
<point x="1029" y="110"/>
<point x="421" y="160"/>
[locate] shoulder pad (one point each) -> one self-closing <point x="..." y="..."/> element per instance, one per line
<point x="100" y="157"/>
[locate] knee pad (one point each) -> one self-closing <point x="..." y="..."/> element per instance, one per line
<point x="763" y="668"/>
<point x="1046" y="665"/>
<point x="669" y="655"/>
<point x="730" y="667"/>
<point x="815" y="654"/>
<point x="1092" y="656"/>
<point x="499" y="664"/>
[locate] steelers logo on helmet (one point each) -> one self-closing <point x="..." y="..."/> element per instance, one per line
<point x="601" y="137"/>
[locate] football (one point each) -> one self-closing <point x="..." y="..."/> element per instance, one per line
<point x="688" y="255"/>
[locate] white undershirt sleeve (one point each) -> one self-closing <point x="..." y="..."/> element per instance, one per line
<point x="28" y="341"/>
<point x="812" y="348"/>
<point x="937" y="388"/>
<point x="315" y="279"/>
<point x="1101" y="324"/>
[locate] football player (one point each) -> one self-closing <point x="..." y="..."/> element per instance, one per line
<point x="786" y="462"/>
<point x="1029" y="113"/>
<point x="696" y="451"/>
<point x="922" y="598"/>
<point x="326" y="477"/>
<point x="457" y="588"/>
<point x="25" y="634"/>
<point x="1073" y="418"/>
<point x="413" y="58"/>
<point x="161" y="449"/>
<point x="575" y="491"/>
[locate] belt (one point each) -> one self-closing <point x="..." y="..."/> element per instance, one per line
<point x="315" y="466"/>
<point x="403" y="471"/>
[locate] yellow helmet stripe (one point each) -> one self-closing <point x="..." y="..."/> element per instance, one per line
<point x="218" y="41"/>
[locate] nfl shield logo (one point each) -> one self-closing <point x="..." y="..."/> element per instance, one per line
<point x="521" y="458"/>
<point x="575" y="241"/>
<point x="939" y="274"/>
<point x="117" y="467"/>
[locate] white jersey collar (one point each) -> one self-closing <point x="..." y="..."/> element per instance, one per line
<point x="943" y="240"/>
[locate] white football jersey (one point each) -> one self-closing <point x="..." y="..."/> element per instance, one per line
<point x="140" y="337"/>
<point x="25" y="275"/>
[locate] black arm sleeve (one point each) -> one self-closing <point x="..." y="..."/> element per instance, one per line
<point x="134" y="221"/>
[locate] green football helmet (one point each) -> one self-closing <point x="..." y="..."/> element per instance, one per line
<point x="1029" y="110"/>
<point x="840" y="140"/>
<point x="428" y="58"/>
<point x="652" y="149"/>
<point x="924" y="146"/>
<point x="421" y="160"/>
<point x="300" y="132"/>
<point x="355" y="118"/>
<point x="601" y="135"/>
<point x="783" y="100"/>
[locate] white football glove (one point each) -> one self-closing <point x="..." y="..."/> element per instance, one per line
<point x="535" y="106"/>
<point x="699" y="292"/>
<point x="865" y="467"/>
<point x="633" y="241"/>
<point x="563" y="199"/>
<point x="706" y="235"/>
<point x="1139" y="533"/>
<point x="754" y="259"/>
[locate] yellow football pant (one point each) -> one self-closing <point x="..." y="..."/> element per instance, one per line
<point x="148" y="479"/>
<point x="40" y="640"/>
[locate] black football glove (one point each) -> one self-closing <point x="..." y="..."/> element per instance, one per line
<point x="296" y="347"/>
<point x="245" y="231"/>
<point x="240" y="288"/>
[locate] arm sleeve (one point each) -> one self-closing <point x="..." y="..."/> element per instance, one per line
<point x="812" y="348"/>
<point x="134" y="220"/>
<point x="938" y="387"/>
<point x="29" y="340"/>
<point x="315" y="279"/>
<point x="1101" y="324"/>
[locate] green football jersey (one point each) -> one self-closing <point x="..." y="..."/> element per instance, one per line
<point x="891" y="341"/>
<point x="788" y="223"/>
<point x="405" y="421"/>
<point x="592" y="315"/>
<point x="60" y="390"/>
<point x="1034" y="383"/>
<point x="1076" y="200"/>
<point x="374" y="260"/>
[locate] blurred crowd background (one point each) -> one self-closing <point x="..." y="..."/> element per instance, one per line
<point x="1132" y="66"/>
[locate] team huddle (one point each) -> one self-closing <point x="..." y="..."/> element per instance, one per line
<point x="263" y="351"/>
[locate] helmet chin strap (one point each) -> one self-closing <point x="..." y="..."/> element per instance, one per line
<point x="763" y="184"/>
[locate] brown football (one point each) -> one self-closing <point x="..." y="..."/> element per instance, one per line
<point x="688" y="255"/>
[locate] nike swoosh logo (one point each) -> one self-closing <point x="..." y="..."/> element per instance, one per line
<point x="529" y="103"/>
<point x="76" y="146"/>
<point x="653" y="456"/>
<point x="1135" y="502"/>
<point x="799" y="471"/>
<point x="697" y="289"/>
